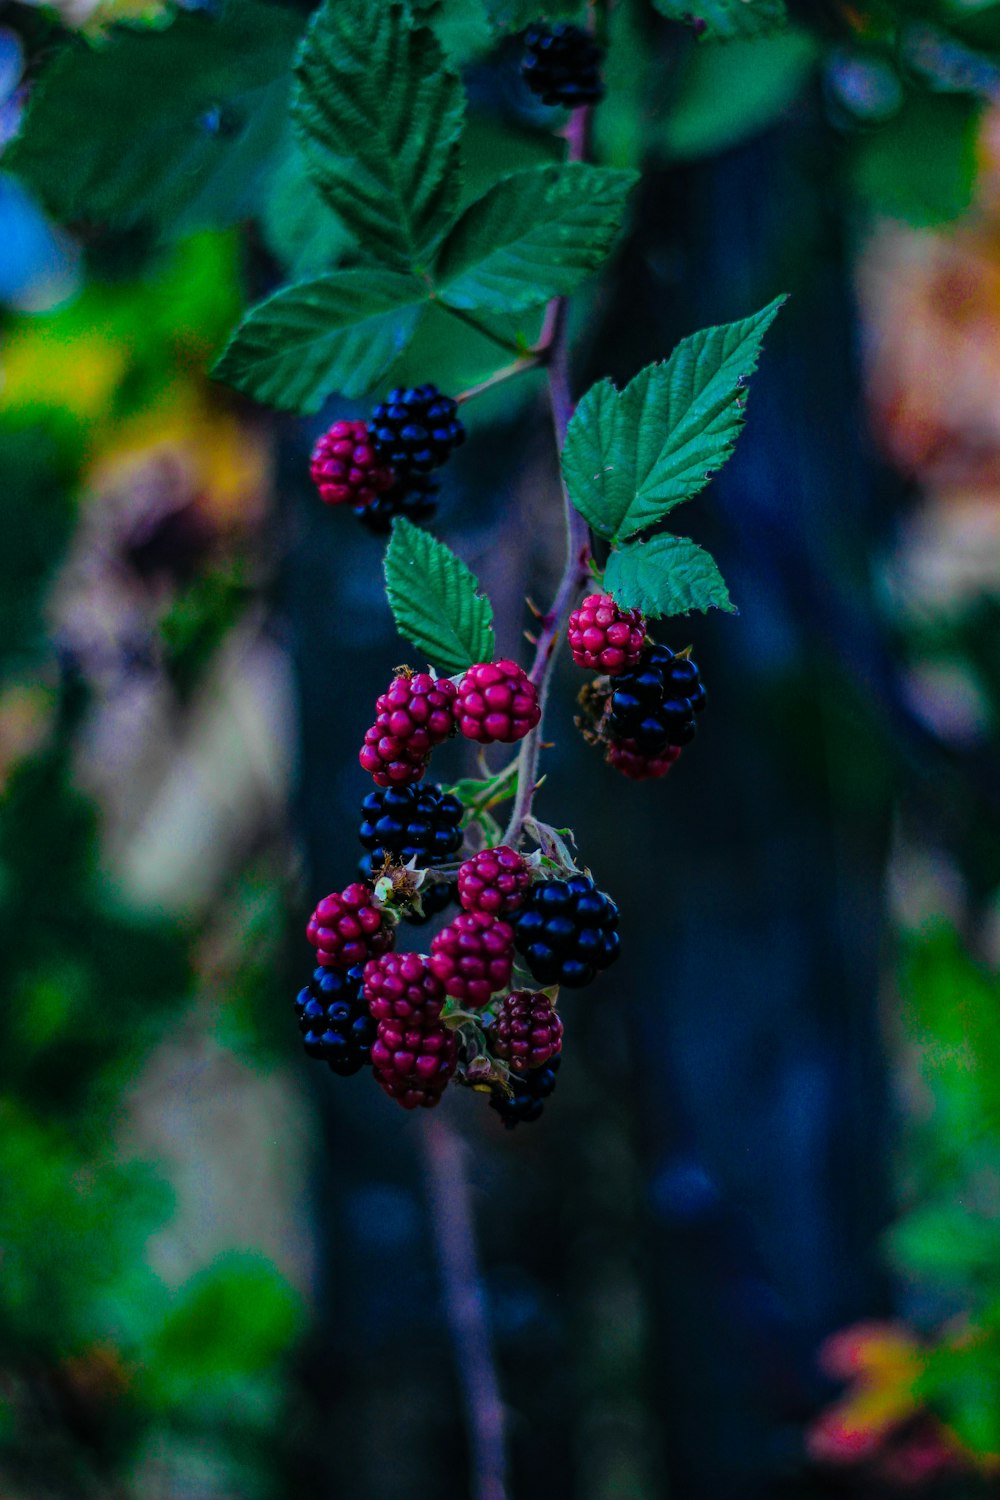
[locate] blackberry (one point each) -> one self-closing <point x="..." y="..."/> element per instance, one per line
<point x="531" y="1089"/>
<point x="414" y="431"/>
<point x="346" y="469"/>
<point x="347" y="928"/>
<point x="497" y="701"/>
<point x="562" y="65"/>
<point x="655" y="706"/>
<point x="418" y="822"/>
<point x="414" y="714"/>
<point x="526" y="1031"/>
<point x="604" y="637"/>
<point x="415" y="498"/>
<point x="473" y="957"/>
<point x="334" y="1020"/>
<point x="494" y="880"/>
<point x="567" y="931"/>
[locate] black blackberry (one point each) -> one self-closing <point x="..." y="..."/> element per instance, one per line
<point x="415" y="430"/>
<point x="567" y="930"/>
<point x="530" y="1090"/>
<point x="334" y="1020"/>
<point x="655" y="705"/>
<point x="415" y="498"/>
<point x="403" y="822"/>
<point x="562" y="65"/>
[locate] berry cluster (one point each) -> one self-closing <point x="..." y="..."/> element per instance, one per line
<point x="562" y="65"/>
<point x="413" y="1055"/>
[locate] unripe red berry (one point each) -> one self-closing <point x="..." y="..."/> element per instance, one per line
<point x="345" y="467"/>
<point x="497" y="702"/>
<point x="636" y="764"/>
<point x="494" y="881"/>
<point x="605" y="638"/>
<point x="413" y="1067"/>
<point x="402" y="988"/>
<point x="347" y="928"/>
<point x="526" y="1032"/>
<point x="473" y="957"/>
<point x="413" y="715"/>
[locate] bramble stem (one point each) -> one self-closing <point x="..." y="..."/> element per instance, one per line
<point x="529" y="361"/>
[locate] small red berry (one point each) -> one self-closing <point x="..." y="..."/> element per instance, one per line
<point x="402" y="988"/>
<point x="347" y="928"/>
<point x="413" y="1067"/>
<point x="526" y="1031"/>
<point x="494" y="881"/>
<point x="345" y="467"/>
<point x="413" y="715"/>
<point x="497" y="702"/>
<point x="605" y="638"/>
<point x="639" y="765"/>
<point x="473" y="957"/>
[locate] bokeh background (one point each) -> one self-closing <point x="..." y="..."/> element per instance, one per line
<point x="752" y="1249"/>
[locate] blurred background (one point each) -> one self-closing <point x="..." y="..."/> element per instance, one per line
<point x="752" y="1249"/>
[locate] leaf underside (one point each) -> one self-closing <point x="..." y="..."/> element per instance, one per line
<point x="435" y="600"/>
<point x="668" y="575"/>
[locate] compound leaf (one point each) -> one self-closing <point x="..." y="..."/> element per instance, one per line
<point x="435" y="600"/>
<point x="668" y="575"/>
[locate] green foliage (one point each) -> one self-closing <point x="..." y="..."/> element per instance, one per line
<point x="338" y="332"/>
<point x="380" y="118"/>
<point x="728" y="93"/>
<point x="301" y="231"/>
<point x="921" y="165"/>
<point x="630" y="456"/>
<point x="436" y="601"/>
<point x="726" y="20"/>
<point x="197" y="112"/>
<point x="534" y="235"/>
<point x="37" y="514"/>
<point x="668" y="575"/>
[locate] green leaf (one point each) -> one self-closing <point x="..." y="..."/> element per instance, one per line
<point x="727" y="94"/>
<point x="534" y="235"/>
<point x="514" y="15"/>
<point x="338" y="332"/>
<point x="726" y="20"/>
<point x="298" y="227"/>
<point x="176" y="126"/>
<point x="435" y="600"/>
<point x="631" y="456"/>
<point x="668" y="575"/>
<point x="921" y="166"/>
<point x="380" y="118"/>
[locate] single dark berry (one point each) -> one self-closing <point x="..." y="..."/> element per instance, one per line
<point x="655" y="706"/>
<point x="524" y="1105"/>
<point x="567" y="931"/>
<point x="605" y="638"/>
<point x="347" y="928"/>
<point x="345" y="467"/>
<point x="495" y="881"/>
<point x="562" y="65"/>
<point x="473" y="957"/>
<point x="526" y="1030"/>
<point x="415" y="498"/>
<point x="632" y="762"/>
<point x="413" y="715"/>
<point x="414" y="1065"/>
<point x="334" y="1019"/>
<point x="497" y="702"/>
<point x="415" y="822"/>
<point x="416" y="430"/>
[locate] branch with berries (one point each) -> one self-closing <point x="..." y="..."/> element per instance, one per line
<point x="382" y="141"/>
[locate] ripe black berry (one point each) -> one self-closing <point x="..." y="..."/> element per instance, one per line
<point x="415" y="498"/>
<point x="567" y="931"/>
<point x="334" y="1019"/>
<point x="414" y="431"/>
<point x="655" y="705"/>
<point x="562" y="65"/>
<point x="418" y="821"/>
<point x="525" y="1104"/>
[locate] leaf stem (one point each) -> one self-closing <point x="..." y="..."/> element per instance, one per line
<point x="529" y="361"/>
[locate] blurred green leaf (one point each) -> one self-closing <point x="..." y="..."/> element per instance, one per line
<point x="726" y="20"/>
<point x="961" y="1381"/>
<point x="300" y="229"/>
<point x="729" y="93"/>
<point x="380" y="117"/>
<point x="921" y="166"/>
<point x="667" y="575"/>
<point x="436" y="600"/>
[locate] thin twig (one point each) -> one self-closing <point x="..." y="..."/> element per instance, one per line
<point x="465" y="1306"/>
<point x="529" y="361"/>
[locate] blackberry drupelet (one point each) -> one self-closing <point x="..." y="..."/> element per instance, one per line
<point x="655" y="706"/>
<point x="334" y="1020"/>
<point x="567" y="931"/>
<point x="414" y="431"/>
<point x="419" y="822"/>
<point x="562" y="65"/>
<point x="415" y="498"/>
<point x="531" y="1089"/>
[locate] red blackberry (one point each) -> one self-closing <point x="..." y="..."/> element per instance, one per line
<point x="562" y="65"/>
<point x="495" y="881"/>
<point x="626" y="757"/>
<point x="655" y="706"/>
<point x="524" y="1105"/>
<point x="526" y="1030"/>
<point x="413" y="715"/>
<point x="473" y="957"/>
<point x="347" y="929"/>
<point x="334" y="1020"/>
<point x="414" y="497"/>
<point x="605" y="638"/>
<point x="345" y="467"/>
<point x="567" y="931"/>
<point x="401" y="987"/>
<point x="497" y="702"/>
<point x="414" y="431"/>
<point x="414" y="1066"/>
<point x="416" y="822"/>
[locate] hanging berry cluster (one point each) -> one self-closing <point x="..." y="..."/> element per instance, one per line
<point x="383" y="145"/>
